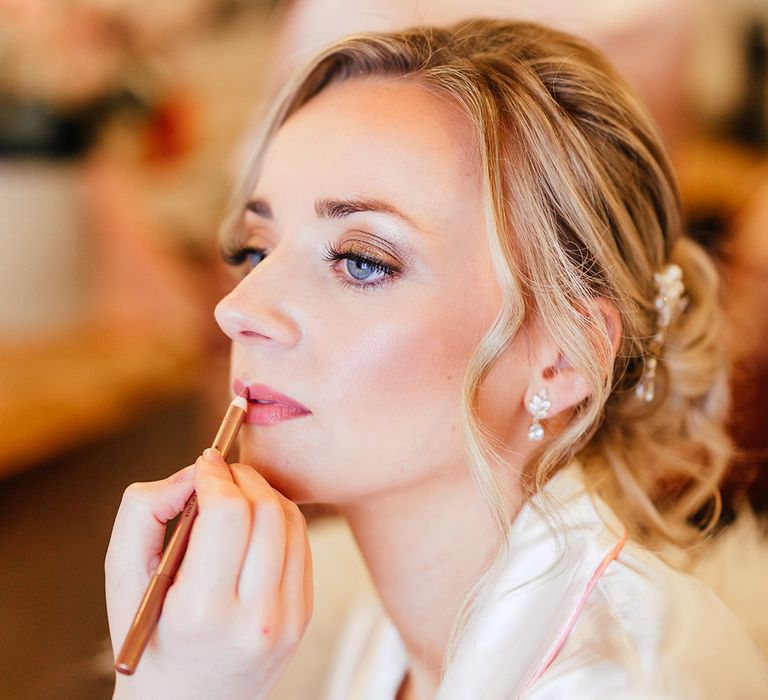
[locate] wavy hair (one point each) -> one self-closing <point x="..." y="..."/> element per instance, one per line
<point x="580" y="204"/>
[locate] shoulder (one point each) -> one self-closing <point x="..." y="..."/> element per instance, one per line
<point x="576" y="611"/>
<point x="648" y="631"/>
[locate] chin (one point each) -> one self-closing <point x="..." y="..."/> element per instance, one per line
<point x="288" y="482"/>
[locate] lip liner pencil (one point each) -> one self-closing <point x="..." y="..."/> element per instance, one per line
<point x="149" y="609"/>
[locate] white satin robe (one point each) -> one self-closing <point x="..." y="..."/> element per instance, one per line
<point x="579" y="613"/>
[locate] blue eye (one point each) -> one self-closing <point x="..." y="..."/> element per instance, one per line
<point x="362" y="269"/>
<point x="244" y="257"/>
<point x="253" y="257"/>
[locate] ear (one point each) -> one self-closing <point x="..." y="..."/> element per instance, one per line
<point x="551" y="370"/>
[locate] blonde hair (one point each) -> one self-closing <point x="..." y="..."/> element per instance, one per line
<point x="581" y="204"/>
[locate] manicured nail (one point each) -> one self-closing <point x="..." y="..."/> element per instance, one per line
<point x="211" y="455"/>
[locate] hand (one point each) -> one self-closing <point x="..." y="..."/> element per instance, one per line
<point x="242" y="598"/>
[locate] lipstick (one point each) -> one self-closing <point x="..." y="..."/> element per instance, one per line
<point x="148" y="613"/>
<point x="267" y="406"/>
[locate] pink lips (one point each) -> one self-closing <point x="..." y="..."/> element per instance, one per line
<point x="267" y="406"/>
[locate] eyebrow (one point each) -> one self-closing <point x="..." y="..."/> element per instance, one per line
<point x="339" y="209"/>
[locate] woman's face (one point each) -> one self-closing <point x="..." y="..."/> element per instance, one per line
<point x="380" y="170"/>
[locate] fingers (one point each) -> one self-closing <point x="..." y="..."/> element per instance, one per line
<point x="137" y="535"/>
<point x="276" y="576"/>
<point x="137" y="540"/>
<point x="262" y="567"/>
<point x="296" y="581"/>
<point x="217" y="545"/>
<point x="309" y="589"/>
<point x="248" y="549"/>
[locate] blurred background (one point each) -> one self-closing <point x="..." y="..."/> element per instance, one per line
<point x="122" y="124"/>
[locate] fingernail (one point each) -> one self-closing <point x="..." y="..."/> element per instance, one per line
<point x="211" y="455"/>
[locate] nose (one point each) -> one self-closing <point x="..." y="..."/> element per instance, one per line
<point x="255" y="313"/>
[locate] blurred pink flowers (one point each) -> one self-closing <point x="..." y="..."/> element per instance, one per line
<point x="71" y="52"/>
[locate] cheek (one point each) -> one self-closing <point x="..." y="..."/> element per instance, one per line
<point x="386" y="395"/>
<point x="398" y="389"/>
<point x="501" y="399"/>
<point x="402" y="362"/>
<point x="386" y="412"/>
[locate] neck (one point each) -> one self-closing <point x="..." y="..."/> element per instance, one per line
<point x="425" y="547"/>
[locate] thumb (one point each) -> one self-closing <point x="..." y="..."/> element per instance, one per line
<point x="137" y="540"/>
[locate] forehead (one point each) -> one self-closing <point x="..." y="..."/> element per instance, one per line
<point x="377" y="137"/>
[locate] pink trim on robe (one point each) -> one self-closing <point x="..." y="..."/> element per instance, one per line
<point x="558" y="644"/>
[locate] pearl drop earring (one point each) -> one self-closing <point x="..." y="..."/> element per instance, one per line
<point x="539" y="407"/>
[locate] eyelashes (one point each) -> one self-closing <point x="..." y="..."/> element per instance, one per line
<point x="362" y="270"/>
<point x="382" y="273"/>
<point x="238" y="256"/>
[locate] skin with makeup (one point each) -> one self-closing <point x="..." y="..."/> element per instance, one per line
<point x="366" y="281"/>
<point x="374" y="353"/>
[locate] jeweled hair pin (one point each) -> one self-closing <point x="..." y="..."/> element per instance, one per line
<point x="670" y="302"/>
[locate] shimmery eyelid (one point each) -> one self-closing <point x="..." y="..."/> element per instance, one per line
<point x="238" y="238"/>
<point x="368" y="253"/>
<point x="333" y="255"/>
<point x="371" y="241"/>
